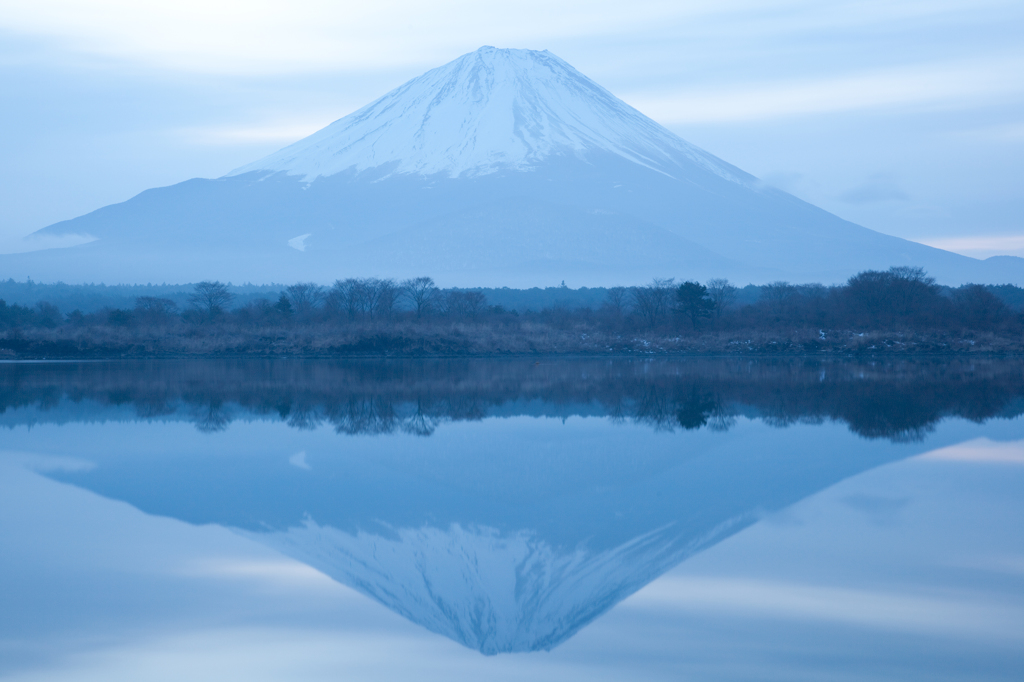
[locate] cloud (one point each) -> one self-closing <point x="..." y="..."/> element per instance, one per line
<point x="1009" y="132"/>
<point x="38" y="242"/>
<point x="259" y="37"/>
<point x="46" y="463"/>
<point x="875" y="189"/>
<point x="981" y="451"/>
<point x="877" y="508"/>
<point x="299" y="458"/>
<point x="1008" y="564"/>
<point x="896" y="612"/>
<point x="978" y="245"/>
<point x="949" y="84"/>
<point x="285" y="133"/>
<point x="283" y="572"/>
<point x="267" y="36"/>
<point x="787" y="181"/>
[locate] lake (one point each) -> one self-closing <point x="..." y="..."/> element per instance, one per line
<point x="509" y="519"/>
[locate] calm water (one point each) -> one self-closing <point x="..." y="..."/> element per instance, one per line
<point x="510" y="520"/>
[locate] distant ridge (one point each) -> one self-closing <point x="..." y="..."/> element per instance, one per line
<point x="503" y="167"/>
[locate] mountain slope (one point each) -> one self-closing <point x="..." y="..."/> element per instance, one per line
<point x="503" y="167"/>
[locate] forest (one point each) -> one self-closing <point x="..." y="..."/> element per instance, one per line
<point x="901" y="309"/>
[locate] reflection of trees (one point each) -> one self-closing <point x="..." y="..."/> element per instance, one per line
<point x="307" y="417"/>
<point x="653" y="407"/>
<point x="687" y="407"/>
<point x="421" y="423"/>
<point x="899" y="400"/>
<point x="373" y="416"/>
<point x="695" y="411"/>
<point x="209" y="417"/>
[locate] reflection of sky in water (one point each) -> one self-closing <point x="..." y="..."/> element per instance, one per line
<point x="806" y="552"/>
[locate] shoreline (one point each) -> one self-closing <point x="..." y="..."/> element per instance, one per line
<point x="488" y="341"/>
<point x="618" y="355"/>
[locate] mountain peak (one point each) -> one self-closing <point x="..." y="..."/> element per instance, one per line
<point x="487" y="110"/>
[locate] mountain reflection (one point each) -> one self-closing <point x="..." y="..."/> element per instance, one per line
<point x="505" y="534"/>
<point x="900" y="400"/>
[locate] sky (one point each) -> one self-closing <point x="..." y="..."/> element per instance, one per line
<point x="904" y="116"/>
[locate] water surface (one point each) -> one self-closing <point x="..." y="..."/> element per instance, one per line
<point x="559" y="519"/>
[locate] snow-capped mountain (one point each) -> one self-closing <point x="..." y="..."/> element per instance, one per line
<point x="503" y="167"/>
<point x="487" y="111"/>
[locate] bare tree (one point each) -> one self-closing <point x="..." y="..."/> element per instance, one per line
<point x="384" y="294"/>
<point x="421" y="292"/>
<point x="722" y="294"/>
<point x="472" y="303"/>
<point x="346" y="297"/>
<point x="979" y="308"/>
<point x="616" y="298"/>
<point x="910" y="273"/>
<point x="462" y="304"/>
<point x="362" y="297"/>
<point x="615" y="301"/>
<point x="305" y="297"/>
<point x="652" y="302"/>
<point x="910" y="288"/>
<point x="158" y="311"/>
<point x="777" y="296"/>
<point x="894" y="296"/>
<point x="369" y="297"/>
<point x="335" y="300"/>
<point x="210" y="298"/>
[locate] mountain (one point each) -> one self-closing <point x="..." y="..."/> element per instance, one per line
<point x="488" y="111"/>
<point x="503" y="167"/>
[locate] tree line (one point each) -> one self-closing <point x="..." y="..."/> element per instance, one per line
<point x="900" y="298"/>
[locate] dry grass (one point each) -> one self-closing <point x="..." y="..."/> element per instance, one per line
<point x="442" y="339"/>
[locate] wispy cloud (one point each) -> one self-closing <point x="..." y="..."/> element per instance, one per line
<point x="38" y="242"/>
<point x="875" y="189"/>
<point x="978" y="245"/>
<point x="953" y="85"/>
<point x="45" y="463"/>
<point x="895" y="612"/>
<point x="233" y="135"/>
<point x="275" y="36"/>
<point x="981" y="451"/>
<point x="264" y="36"/>
<point x="272" y="572"/>
<point x="1007" y="132"/>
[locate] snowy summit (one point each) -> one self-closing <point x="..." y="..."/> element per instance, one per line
<point x="485" y="111"/>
